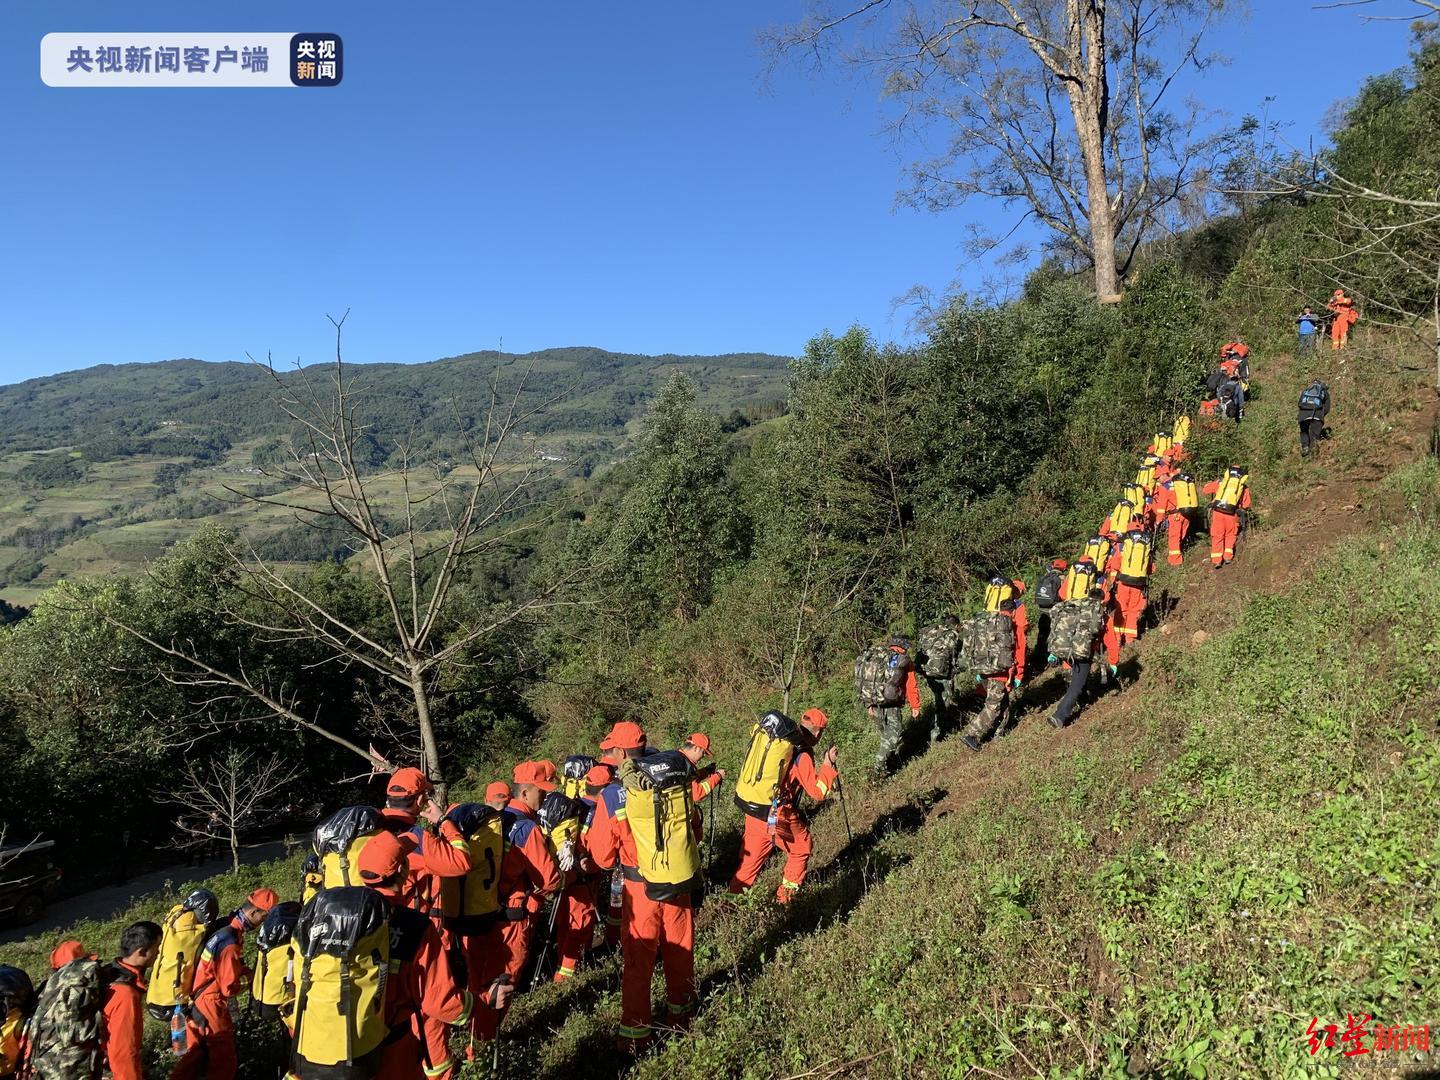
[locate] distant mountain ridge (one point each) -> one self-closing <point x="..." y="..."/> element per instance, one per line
<point x="602" y="390"/>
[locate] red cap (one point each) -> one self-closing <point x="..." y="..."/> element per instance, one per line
<point x="815" y="718"/>
<point x="263" y="899"/>
<point x="702" y="742"/>
<point x="498" y="790"/>
<point x="539" y="773"/>
<point x="1085" y="559"/>
<point x="626" y="735"/>
<point x="1017" y="585"/>
<point x="381" y="858"/>
<point x="599" y="776"/>
<point x="1058" y="564"/>
<point x="407" y="784"/>
<point x="66" y="951"/>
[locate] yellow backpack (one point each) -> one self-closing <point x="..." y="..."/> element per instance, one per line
<point x="1121" y="516"/>
<point x="182" y="935"/>
<point x="572" y="774"/>
<point x="312" y="879"/>
<point x="1145" y="475"/>
<point x="560" y="818"/>
<point x="470" y="903"/>
<point x="773" y="742"/>
<point x="339" y="839"/>
<point x="1187" y="494"/>
<point x="1181" y="431"/>
<point x="996" y="593"/>
<point x="1135" y="495"/>
<point x="343" y="954"/>
<point x="1079" y="580"/>
<point x="1135" y="556"/>
<point x="1097" y="549"/>
<point x="273" y="985"/>
<point x="1230" y="490"/>
<point x="658" y="808"/>
<point x="1163" y="442"/>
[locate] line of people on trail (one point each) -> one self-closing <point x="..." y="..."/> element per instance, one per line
<point x="1088" y="610"/>
<point x="415" y="923"/>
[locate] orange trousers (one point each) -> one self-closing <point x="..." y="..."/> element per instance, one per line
<point x="212" y="1054"/>
<point x="502" y="949"/>
<point x="1129" y="606"/>
<point x="605" y="895"/>
<point x="649" y="929"/>
<point x="792" y="836"/>
<point x="575" y="927"/>
<point x="1224" y="529"/>
<point x="1179" y="529"/>
<point x="1339" y="331"/>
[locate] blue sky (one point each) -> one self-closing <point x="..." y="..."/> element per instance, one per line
<point x="539" y="174"/>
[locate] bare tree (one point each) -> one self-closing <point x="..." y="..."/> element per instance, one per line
<point x="416" y="524"/>
<point x="226" y="795"/>
<point x="1057" y="106"/>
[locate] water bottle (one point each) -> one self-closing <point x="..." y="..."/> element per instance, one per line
<point x="617" y="890"/>
<point x="177" y="1030"/>
<point x="774" y="816"/>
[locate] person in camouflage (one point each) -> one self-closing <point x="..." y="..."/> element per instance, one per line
<point x="999" y="684"/>
<point x="885" y="695"/>
<point x="939" y="659"/>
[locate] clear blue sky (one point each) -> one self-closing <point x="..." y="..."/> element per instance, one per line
<point x="547" y="174"/>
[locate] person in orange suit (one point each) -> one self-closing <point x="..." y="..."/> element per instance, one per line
<point x="626" y="740"/>
<point x="528" y="874"/>
<point x="1177" y="524"/>
<point x="220" y="976"/>
<point x="420" y="986"/>
<point x="1129" y="591"/>
<point x="998" y="685"/>
<point x="1342" y="316"/>
<point x="791" y="833"/>
<point x="579" y="901"/>
<point x="1226" y="510"/>
<point x="497" y="795"/>
<point x="649" y="928"/>
<point x="122" y="1008"/>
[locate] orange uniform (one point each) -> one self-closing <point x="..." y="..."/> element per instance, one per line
<point x="792" y="831"/>
<point x="1177" y="523"/>
<point x="528" y="873"/>
<point x="421" y="989"/>
<point x="1224" y="527"/>
<point x="123" y="1021"/>
<point x="220" y="975"/>
<point x="1342" y="316"/>
<point x="576" y="920"/>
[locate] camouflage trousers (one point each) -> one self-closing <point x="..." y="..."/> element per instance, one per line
<point x="943" y="692"/>
<point x="997" y="696"/>
<point x="891" y="721"/>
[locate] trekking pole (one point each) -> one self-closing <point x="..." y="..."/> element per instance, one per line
<point x="535" y="980"/>
<point x="710" y="845"/>
<point x="844" y="812"/>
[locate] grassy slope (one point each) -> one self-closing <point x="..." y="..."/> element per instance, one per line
<point x="1241" y="840"/>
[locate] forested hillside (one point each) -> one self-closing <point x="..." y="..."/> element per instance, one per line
<point x="1235" y="839"/>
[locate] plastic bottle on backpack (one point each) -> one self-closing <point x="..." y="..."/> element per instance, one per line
<point x="617" y="889"/>
<point x="177" y="1031"/>
<point x="774" y="817"/>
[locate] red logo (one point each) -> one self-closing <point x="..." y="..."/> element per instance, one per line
<point x="1352" y="1041"/>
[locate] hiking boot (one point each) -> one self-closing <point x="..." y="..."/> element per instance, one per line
<point x="1056" y="722"/>
<point x="972" y="742"/>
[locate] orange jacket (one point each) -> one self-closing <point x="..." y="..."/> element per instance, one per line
<point x="431" y="858"/>
<point x="221" y="975"/>
<point x="604" y="836"/>
<point x="1164" y="501"/>
<point x="122" y="1020"/>
<point x="528" y="869"/>
<point x="1022" y="627"/>
<point x="802" y="775"/>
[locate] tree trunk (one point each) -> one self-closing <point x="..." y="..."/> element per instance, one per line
<point x="429" y="748"/>
<point x="234" y="851"/>
<point x="1090" y="106"/>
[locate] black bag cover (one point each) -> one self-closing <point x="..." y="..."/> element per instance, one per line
<point x="471" y="817"/>
<point x="278" y="926"/>
<point x="555" y="808"/>
<point x="335" y="919"/>
<point x="576" y="766"/>
<point x="1312" y="398"/>
<point x="204" y="904"/>
<point x="667" y="768"/>
<point x="1047" y="589"/>
<point x="779" y="726"/>
<point x="334" y="835"/>
<point x="16" y="991"/>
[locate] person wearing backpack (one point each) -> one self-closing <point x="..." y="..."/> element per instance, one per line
<point x="999" y="683"/>
<point x="1342" y="317"/>
<point x="220" y="977"/>
<point x="1083" y="625"/>
<point x="17" y="1004"/>
<point x="1132" y="583"/>
<point x="938" y="652"/>
<point x="528" y="874"/>
<point x="579" y="901"/>
<point x="661" y="890"/>
<point x="1049" y="591"/>
<point x="1229" y="500"/>
<point x="497" y="795"/>
<point x="778" y="769"/>
<point x="1314" y="408"/>
<point x="122" y="1028"/>
<point x="626" y="740"/>
<point x="885" y="682"/>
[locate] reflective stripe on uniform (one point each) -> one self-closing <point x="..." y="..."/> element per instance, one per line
<point x="824" y="788"/>
<point x="464" y="1017"/>
<point x="440" y="1069"/>
<point x="563" y="972"/>
<point x="628" y="1032"/>
<point x="458" y="843"/>
<point x="679" y="1010"/>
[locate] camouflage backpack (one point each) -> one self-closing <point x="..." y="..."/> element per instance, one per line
<point x="987" y="642"/>
<point x="65" y="1030"/>
<point x="880" y="677"/>
<point x="938" y="645"/>
<point x="1073" y="627"/>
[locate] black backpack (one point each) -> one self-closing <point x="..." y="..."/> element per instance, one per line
<point x="1047" y="590"/>
<point x="1312" y="398"/>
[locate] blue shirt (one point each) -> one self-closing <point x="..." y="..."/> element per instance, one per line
<point x="1308" y="324"/>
